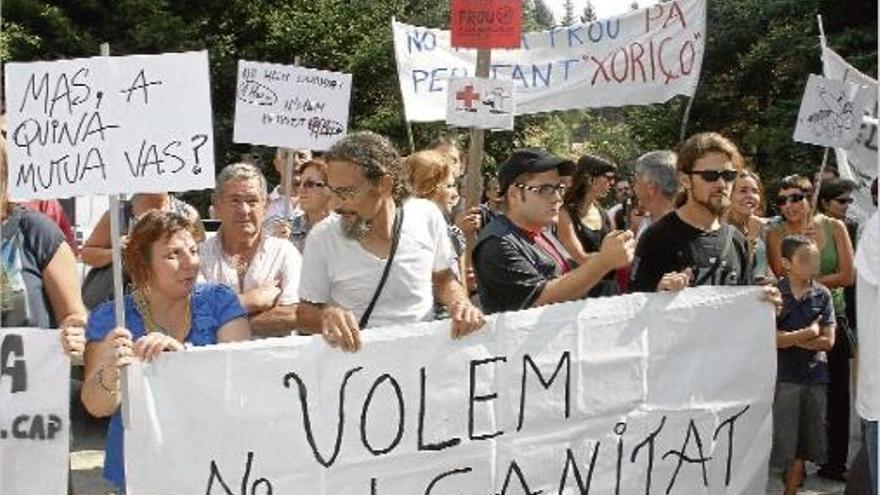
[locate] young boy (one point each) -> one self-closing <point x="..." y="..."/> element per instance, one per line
<point x="804" y="333"/>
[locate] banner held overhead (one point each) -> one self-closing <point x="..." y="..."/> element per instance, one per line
<point x="109" y="125"/>
<point x="290" y="106"/>
<point x="646" y="56"/>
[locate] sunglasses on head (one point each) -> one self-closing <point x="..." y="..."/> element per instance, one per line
<point x="714" y="175"/>
<point x="784" y="199"/>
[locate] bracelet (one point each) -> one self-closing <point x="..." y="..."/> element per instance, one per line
<point x="100" y="380"/>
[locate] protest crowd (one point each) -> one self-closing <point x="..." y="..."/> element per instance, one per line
<point x="362" y="236"/>
<point x="544" y="235"/>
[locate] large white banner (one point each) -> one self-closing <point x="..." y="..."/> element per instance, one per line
<point x="294" y="107"/>
<point x="646" y="56"/>
<point x="661" y="393"/>
<point x="34" y="412"/>
<point x="859" y="161"/>
<point x="108" y="125"/>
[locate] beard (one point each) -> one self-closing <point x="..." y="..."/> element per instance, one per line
<point x="355" y="229"/>
<point x="718" y="205"/>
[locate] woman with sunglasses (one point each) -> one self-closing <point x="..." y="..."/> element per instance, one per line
<point x="746" y="214"/>
<point x="314" y="203"/>
<point x="836" y="271"/>
<point x="583" y="222"/>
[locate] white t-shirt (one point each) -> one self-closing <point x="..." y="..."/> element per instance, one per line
<point x="276" y="262"/>
<point x="868" y="320"/>
<point x="338" y="270"/>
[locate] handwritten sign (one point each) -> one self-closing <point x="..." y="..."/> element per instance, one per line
<point x="485" y="23"/>
<point x="646" y="56"/>
<point x="831" y="112"/>
<point x="659" y="393"/>
<point x="295" y="107"/>
<point x="34" y="412"/>
<point x="480" y="103"/>
<point x="858" y="162"/>
<point x="109" y="125"/>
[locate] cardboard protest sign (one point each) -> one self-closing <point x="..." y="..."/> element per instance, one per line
<point x="646" y="56"/>
<point x="646" y="393"/>
<point x="34" y="412"/>
<point x="857" y="162"/>
<point x="485" y="23"/>
<point x="831" y="112"/>
<point x="480" y="103"/>
<point x="296" y="107"/>
<point x="109" y="125"/>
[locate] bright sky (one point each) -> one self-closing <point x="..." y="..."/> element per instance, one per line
<point x="604" y="8"/>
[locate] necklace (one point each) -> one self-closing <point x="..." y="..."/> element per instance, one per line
<point x="143" y="306"/>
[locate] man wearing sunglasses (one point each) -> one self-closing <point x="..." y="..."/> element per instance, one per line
<point x="692" y="245"/>
<point x="518" y="262"/>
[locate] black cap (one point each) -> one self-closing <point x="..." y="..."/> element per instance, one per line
<point x="530" y="160"/>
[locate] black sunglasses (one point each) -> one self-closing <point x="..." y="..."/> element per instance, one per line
<point x="794" y="198"/>
<point x="843" y="201"/>
<point x="714" y="175"/>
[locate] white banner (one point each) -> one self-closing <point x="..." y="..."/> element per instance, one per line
<point x="480" y="103"/>
<point x="831" y="112"/>
<point x="289" y="106"/>
<point x="659" y="393"/>
<point x="34" y="412"/>
<point x="646" y="56"/>
<point x="108" y="125"/>
<point x="859" y="161"/>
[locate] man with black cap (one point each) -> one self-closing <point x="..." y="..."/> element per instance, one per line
<point x="518" y="262"/>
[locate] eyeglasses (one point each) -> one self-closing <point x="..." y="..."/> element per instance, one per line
<point x="545" y="191"/>
<point x="344" y="193"/>
<point x="843" y="201"/>
<point x="313" y="184"/>
<point x="714" y="175"/>
<point x="784" y="199"/>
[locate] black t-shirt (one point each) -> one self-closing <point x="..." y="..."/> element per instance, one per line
<point x="719" y="257"/>
<point x="511" y="268"/>
<point x="30" y="240"/>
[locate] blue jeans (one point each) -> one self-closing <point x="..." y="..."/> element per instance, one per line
<point x="871" y="442"/>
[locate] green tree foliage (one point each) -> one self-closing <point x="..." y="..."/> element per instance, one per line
<point x="569" y="18"/>
<point x="589" y="13"/>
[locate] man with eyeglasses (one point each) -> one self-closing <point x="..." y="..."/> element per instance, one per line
<point x="518" y="262"/>
<point x="692" y="245"/>
<point x="384" y="258"/>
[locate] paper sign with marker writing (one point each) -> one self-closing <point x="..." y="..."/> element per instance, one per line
<point x="642" y="57"/>
<point x="485" y="23"/>
<point x="831" y="112"/>
<point x="108" y="125"/>
<point x="480" y="103"/>
<point x="34" y="412"/>
<point x="294" y="107"/>
<point x="646" y="393"/>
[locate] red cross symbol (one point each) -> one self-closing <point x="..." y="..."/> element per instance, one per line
<point x="467" y="96"/>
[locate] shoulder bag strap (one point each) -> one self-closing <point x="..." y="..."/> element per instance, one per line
<point x="395" y="240"/>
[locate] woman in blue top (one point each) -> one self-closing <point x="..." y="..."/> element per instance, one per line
<point x="165" y="310"/>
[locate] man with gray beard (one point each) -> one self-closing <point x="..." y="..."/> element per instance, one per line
<point x="384" y="258"/>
